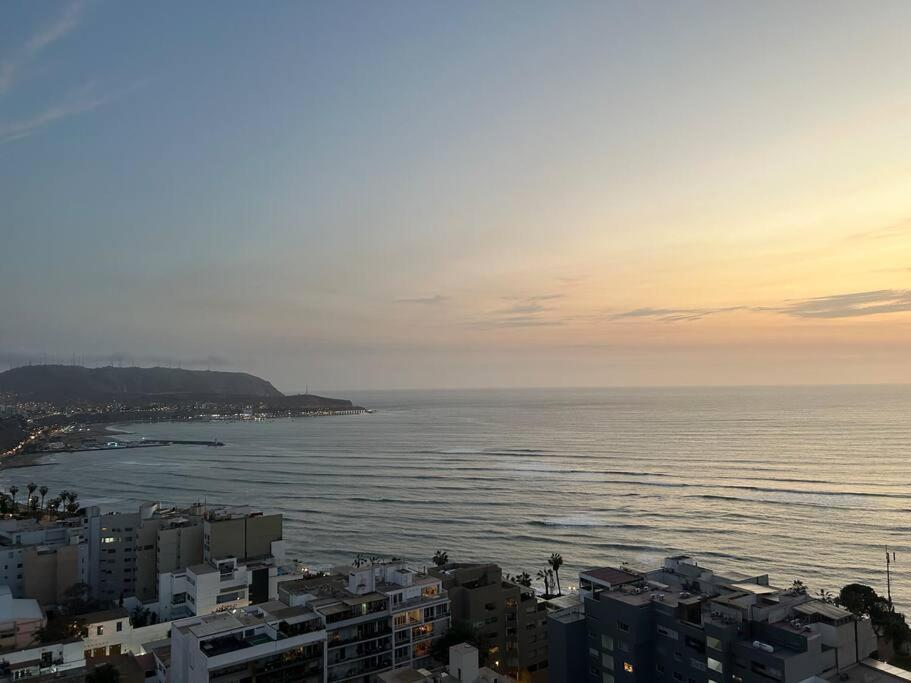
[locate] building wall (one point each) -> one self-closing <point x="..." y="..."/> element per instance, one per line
<point x="49" y="573"/>
<point x="567" y="656"/>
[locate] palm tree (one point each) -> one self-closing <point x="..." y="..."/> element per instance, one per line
<point x="31" y="489"/>
<point x="556" y="561"/>
<point x="359" y="560"/>
<point x="826" y="596"/>
<point x="43" y="491"/>
<point x="54" y="504"/>
<point x="13" y="490"/>
<point x="524" y="579"/>
<point x="33" y="503"/>
<point x="545" y="577"/>
<point x="72" y="506"/>
<point x="441" y="558"/>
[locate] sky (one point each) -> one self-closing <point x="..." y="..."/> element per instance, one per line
<point x="361" y="195"/>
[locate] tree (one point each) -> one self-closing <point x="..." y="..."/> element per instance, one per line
<point x="60" y="628"/>
<point x="524" y="579"/>
<point x="555" y="562"/>
<point x="13" y="490"/>
<point x="544" y="575"/>
<point x="103" y="674"/>
<point x="31" y="489"/>
<point x="359" y="560"/>
<point x="54" y="504"/>
<point x="826" y="596"/>
<point x="33" y="503"/>
<point x="858" y="599"/>
<point x="441" y="558"/>
<point x="142" y="616"/>
<point x="43" y="491"/>
<point x="798" y="586"/>
<point x="72" y="506"/>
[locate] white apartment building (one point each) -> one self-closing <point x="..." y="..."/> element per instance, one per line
<point x="287" y="643"/>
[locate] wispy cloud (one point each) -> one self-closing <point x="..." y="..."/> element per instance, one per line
<point x="900" y="229"/>
<point x="524" y="311"/>
<point x="67" y="20"/>
<point x="850" y="305"/>
<point x="675" y="314"/>
<point x="79" y="102"/>
<point x="434" y="300"/>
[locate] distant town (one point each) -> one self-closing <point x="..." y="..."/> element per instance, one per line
<point x="208" y="593"/>
<point x="59" y="408"/>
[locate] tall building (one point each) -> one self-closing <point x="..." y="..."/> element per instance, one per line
<point x="42" y="559"/>
<point x="378" y="617"/>
<point x="129" y="551"/>
<point x="684" y="623"/>
<point x="511" y="622"/>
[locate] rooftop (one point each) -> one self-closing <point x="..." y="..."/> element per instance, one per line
<point x="611" y="575"/>
<point x="106" y="615"/>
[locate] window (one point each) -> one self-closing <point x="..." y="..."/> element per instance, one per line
<point x="628" y="668"/>
<point x="607" y="643"/>
<point x="607" y="662"/>
<point x="713" y="643"/>
<point x="667" y="632"/>
<point x="715" y="665"/>
<point x="99" y="631"/>
<point x="119" y="626"/>
<point x="607" y="677"/>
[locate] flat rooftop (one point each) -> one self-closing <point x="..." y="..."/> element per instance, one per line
<point x="611" y="575"/>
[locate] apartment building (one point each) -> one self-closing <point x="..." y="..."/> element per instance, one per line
<point x="134" y="549"/>
<point x="41" y="559"/>
<point x="271" y="643"/>
<point x="20" y="620"/>
<point x="684" y="623"/>
<point x="510" y="620"/>
<point x="378" y="617"/>
<point x="218" y="586"/>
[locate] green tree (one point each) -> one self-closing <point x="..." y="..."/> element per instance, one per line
<point x="858" y="599"/>
<point x="441" y="558"/>
<point x="103" y="674"/>
<point x="544" y="575"/>
<point x="555" y="562"/>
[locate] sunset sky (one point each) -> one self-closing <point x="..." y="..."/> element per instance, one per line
<point x="430" y="194"/>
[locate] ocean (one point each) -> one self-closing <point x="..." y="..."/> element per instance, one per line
<point x="797" y="482"/>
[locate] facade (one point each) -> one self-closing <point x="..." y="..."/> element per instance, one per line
<point x="269" y="643"/>
<point x="20" y="620"/>
<point x="217" y="586"/>
<point x="41" y="559"/>
<point x="377" y="617"/>
<point x="42" y="660"/>
<point x="685" y="623"/>
<point x="510" y="621"/>
<point x="463" y="667"/>
<point x="134" y="549"/>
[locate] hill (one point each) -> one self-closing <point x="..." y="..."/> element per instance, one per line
<point x="73" y="383"/>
